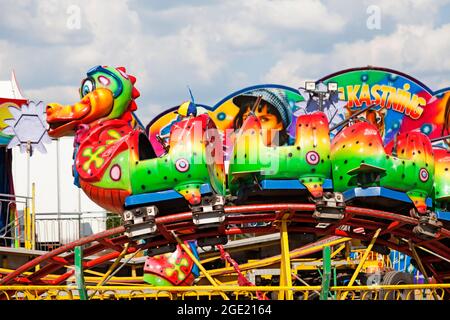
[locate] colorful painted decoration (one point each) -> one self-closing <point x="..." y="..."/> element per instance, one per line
<point x="283" y="138"/>
<point x="158" y="130"/>
<point x="10" y="97"/>
<point x="307" y="160"/>
<point x="442" y="179"/>
<point x="172" y="269"/>
<point x="401" y="103"/>
<point x="377" y="132"/>
<point x="114" y="160"/>
<point x="360" y="159"/>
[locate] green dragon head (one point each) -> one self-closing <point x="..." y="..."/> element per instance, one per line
<point x="107" y="93"/>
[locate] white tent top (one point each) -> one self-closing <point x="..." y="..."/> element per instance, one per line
<point x="10" y="89"/>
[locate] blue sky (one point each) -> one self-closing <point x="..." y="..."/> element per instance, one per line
<point x="216" y="47"/>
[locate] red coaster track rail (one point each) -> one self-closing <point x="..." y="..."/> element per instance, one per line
<point x="109" y="244"/>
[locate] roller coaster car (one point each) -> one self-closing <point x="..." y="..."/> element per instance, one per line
<point x="190" y="176"/>
<point x="116" y="166"/>
<point x="298" y="172"/>
<point x="442" y="184"/>
<point x="398" y="177"/>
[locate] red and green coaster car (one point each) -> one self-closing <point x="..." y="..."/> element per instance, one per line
<point x="115" y="163"/>
<point x="442" y="182"/>
<point x="364" y="167"/>
<point x="303" y="165"/>
<point x="192" y="166"/>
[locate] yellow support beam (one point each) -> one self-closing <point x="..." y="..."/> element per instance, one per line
<point x="228" y="288"/>
<point x="305" y="283"/>
<point x="302" y="267"/>
<point x="273" y="260"/>
<point x="33" y="216"/>
<point x="116" y="280"/>
<point x="419" y="264"/>
<point x="209" y="257"/>
<point x="26" y="226"/>
<point x="362" y="261"/>
<point x="285" y="266"/>
<point x="115" y="264"/>
<point x="432" y="253"/>
<point x="335" y="252"/>
<point x="138" y="292"/>
<point x="29" y="228"/>
<point x="199" y="265"/>
<point x="233" y="288"/>
<point x="111" y="268"/>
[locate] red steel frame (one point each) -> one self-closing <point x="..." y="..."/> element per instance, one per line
<point x="109" y="244"/>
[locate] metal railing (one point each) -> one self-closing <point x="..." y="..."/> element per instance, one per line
<point x="47" y="231"/>
<point x="19" y="217"/>
<point x="52" y="232"/>
<point x="392" y="292"/>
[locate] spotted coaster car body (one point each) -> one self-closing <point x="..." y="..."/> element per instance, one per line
<point x="442" y="179"/>
<point x="188" y="164"/>
<point x="361" y="161"/>
<point x="307" y="161"/>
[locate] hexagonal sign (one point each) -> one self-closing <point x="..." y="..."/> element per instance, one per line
<point x="28" y="127"/>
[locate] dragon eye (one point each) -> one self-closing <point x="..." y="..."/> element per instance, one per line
<point x="87" y="87"/>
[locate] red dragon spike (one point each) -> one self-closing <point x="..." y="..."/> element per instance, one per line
<point x="133" y="106"/>
<point x="122" y="69"/>
<point x="135" y="93"/>
<point x="132" y="79"/>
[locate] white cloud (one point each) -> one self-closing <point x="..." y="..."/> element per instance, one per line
<point x="310" y="15"/>
<point x="215" y="47"/>
<point x="410" y="11"/>
<point x="60" y="94"/>
<point x="295" y="67"/>
<point x="39" y="22"/>
<point x="242" y="36"/>
<point x="413" y="49"/>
